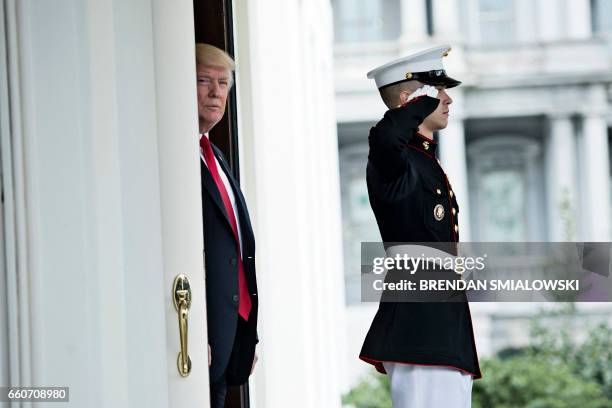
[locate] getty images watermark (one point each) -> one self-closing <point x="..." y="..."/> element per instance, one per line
<point x="512" y="272"/>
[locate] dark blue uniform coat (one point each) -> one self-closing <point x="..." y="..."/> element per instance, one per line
<point x="406" y="185"/>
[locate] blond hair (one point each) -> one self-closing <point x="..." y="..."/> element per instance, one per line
<point x="207" y="54"/>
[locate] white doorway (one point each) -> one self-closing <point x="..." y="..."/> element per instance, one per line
<point x="102" y="205"/>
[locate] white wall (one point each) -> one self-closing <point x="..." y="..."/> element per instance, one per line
<point x="290" y="178"/>
<point x="89" y="283"/>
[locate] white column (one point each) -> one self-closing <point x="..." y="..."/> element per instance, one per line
<point x="549" y="19"/>
<point x="447" y="31"/>
<point x="454" y="161"/>
<point x="414" y="21"/>
<point x="561" y="179"/>
<point x="526" y="28"/>
<point x="291" y="182"/>
<point x="453" y="158"/>
<point x="595" y="178"/>
<point x="578" y="19"/>
<point x="446" y="20"/>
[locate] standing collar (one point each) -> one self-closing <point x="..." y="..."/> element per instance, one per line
<point x="423" y="143"/>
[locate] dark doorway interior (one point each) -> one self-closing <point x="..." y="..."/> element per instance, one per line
<point x="213" y="25"/>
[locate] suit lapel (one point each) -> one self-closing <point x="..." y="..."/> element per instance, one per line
<point x="211" y="187"/>
<point x="245" y="221"/>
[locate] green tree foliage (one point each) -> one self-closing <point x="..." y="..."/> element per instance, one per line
<point x="529" y="382"/>
<point x="554" y="371"/>
<point x="371" y="392"/>
<point x="590" y="359"/>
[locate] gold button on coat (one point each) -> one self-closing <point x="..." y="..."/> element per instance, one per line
<point x="439" y="212"/>
<point x="454" y="211"/>
<point x="451" y="193"/>
<point x="426" y="145"/>
<point x="456" y="228"/>
<point x="438" y="191"/>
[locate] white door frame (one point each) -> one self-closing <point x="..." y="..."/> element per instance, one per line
<point x="103" y="206"/>
<point x="14" y="283"/>
<point x="181" y="207"/>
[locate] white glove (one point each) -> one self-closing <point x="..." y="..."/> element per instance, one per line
<point x="424" y="90"/>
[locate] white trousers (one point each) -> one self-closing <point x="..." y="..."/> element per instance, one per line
<point x="415" y="386"/>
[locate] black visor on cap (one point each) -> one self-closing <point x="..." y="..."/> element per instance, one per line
<point x="435" y="77"/>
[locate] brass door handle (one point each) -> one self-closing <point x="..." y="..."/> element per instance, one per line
<point x="181" y="293"/>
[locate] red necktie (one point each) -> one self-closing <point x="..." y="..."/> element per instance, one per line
<point x="244" y="307"/>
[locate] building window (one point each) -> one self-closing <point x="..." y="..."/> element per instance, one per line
<point x="366" y="20"/>
<point x="503" y="205"/>
<point x="601" y="16"/>
<point x="506" y="179"/>
<point x="496" y="19"/>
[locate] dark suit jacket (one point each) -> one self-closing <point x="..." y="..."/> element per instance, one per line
<point x="232" y="340"/>
<point x="413" y="201"/>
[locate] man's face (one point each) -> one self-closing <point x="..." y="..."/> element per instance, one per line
<point x="438" y="119"/>
<point x="213" y="87"/>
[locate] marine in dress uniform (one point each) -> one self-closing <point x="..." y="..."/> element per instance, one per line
<point x="427" y="348"/>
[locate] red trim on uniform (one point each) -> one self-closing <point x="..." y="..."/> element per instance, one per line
<point x="379" y="363"/>
<point x="420" y="150"/>
<point x="425" y="138"/>
<point x="376" y="363"/>
<point x="473" y="338"/>
<point x="450" y="204"/>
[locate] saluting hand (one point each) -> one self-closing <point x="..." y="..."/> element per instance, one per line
<point x="424" y="90"/>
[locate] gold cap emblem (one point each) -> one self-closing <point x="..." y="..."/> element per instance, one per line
<point x="408" y="75"/>
<point x="438" y="212"/>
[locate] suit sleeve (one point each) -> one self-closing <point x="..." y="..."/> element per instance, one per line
<point x="389" y="137"/>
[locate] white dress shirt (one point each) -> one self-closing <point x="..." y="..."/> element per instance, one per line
<point x="228" y="187"/>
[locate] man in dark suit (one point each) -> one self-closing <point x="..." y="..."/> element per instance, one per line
<point x="229" y="243"/>
<point x="427" y="348"/>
